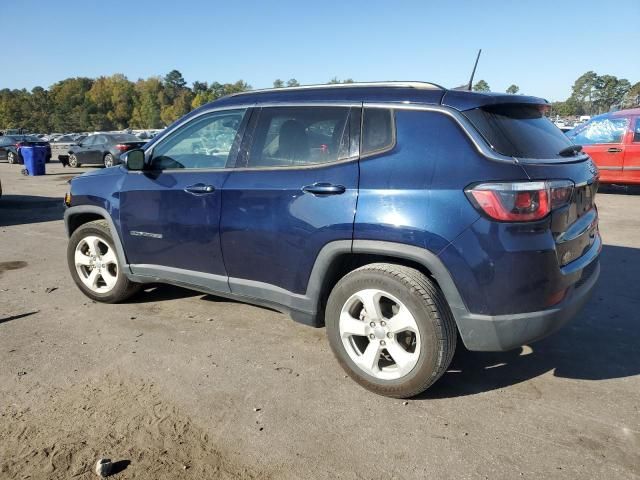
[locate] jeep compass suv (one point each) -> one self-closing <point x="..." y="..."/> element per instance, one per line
<point x="396" y="214"/>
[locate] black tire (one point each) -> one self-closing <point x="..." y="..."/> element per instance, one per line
<point x="73" y="161"/>
<point x="432" y="314"/>
<point x="11" y="158"/>
<point x="108" y="160"/>
<point x="123" y="288"/>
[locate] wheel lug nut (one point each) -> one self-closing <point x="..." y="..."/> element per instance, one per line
<point x="389" y="335"/>
<point x="372" y="336"/>
<point x="382" y="342"/>
<point x="383" y="323"/>
<point x="372" y="324"/>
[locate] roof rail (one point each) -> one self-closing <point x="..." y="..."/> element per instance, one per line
<point x="417" y="85"/>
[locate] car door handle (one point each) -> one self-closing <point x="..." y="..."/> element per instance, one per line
<point x="320" y="188"/>
<point x="614" y="150"/>
<point x="200" y="189"/>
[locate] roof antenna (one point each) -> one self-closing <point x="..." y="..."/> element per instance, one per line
<point x="474" y="71"/>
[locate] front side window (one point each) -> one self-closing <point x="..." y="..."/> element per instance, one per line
<point x="205" y="142"/>
<point x="299" y="136"/>
<point x="636" y="131"/>
<point x="600" y="130"/>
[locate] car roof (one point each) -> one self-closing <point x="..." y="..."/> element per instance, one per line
<point x="378" y="92"/>
<point x="622" y="113"/>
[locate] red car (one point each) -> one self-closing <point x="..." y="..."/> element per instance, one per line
<point x="613" y="142"/>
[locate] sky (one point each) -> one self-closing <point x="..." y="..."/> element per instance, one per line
<point x="542" y="46"/>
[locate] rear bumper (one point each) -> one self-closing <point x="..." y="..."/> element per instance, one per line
<point x="505" y="332"/>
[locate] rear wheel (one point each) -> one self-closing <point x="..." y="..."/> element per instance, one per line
<point x="108" y="160"/>
<point x="95" y="266"/>
<point x="391" y="329"/>
<point x="11" y="157"/>
<point x="73" y="161"/>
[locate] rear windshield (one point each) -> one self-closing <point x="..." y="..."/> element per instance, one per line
<point x="125" y="137"/>
<point x="519" y="131"/>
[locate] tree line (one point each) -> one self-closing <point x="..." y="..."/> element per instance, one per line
<point x="592" y="94"/>
<point x="114" y="102"/>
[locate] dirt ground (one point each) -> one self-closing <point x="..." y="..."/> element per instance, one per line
<point x="176" y="384"/>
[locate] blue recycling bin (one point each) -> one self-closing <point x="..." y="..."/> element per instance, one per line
<point x="34" y="160"/>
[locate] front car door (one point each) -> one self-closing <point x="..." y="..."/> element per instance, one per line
<point x="603" y="139"/>
<point x="4" y="146"/>
<point x="170" y="212"/>
<point x="632" y="153"/>
<point x="294" y="190"/>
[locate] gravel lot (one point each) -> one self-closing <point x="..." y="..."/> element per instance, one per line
<point x="176" y="384"/>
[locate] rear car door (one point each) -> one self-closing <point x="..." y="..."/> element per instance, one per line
<point x="602" y="138"/>
<point x="294" y="190"/>
<point x="83" y="151"/>
<point x="631" y="168"/>
<point x="170" y="212"/>
<point x="98" y="149"/>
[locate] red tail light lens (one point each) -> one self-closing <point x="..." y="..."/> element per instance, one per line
<point x="18" y="145"/>
<point x="520" y="201"/>
<point x="123" y="148"/>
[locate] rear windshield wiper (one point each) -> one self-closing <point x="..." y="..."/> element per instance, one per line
<point x="570" y="150"/>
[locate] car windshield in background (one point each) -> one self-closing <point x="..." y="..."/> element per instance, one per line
<point x="600" y="130"/>
<point x="125" y="137"/>
<point x="520" y="131"/>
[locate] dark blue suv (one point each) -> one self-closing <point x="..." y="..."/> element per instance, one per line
<point x="396" y="214"/>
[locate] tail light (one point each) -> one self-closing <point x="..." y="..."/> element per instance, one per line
<point x="19" y="145"/>
<point x="520" y="201"/>
<point x="123" y="148"/>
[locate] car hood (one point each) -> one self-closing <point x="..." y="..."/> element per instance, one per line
<point x="102" y="172"/>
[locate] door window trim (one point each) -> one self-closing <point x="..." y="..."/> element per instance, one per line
<point x="233" y="153"/>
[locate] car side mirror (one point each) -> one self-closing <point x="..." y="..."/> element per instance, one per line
<point x="133" y="159"/>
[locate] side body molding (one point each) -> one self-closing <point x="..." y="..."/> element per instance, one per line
<point x="302" y="308"/>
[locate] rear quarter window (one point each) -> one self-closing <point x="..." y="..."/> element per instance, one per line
<point x="520" y="131"/>
<point x="378" y="130"/>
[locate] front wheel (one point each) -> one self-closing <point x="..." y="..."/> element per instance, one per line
<point x="391" y="329"/>
<point x="11" y="157"/>
<point x="73" y="161"/>
<point x="94" y="264"/>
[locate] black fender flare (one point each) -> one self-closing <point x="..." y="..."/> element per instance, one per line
<point x="83" y="209"/>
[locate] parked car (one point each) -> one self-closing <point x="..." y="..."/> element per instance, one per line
<point x="10" y="147"/>
<point x="61" y="146"/>
<point x="613" y="141"/>
<point x="102" y="149"/>
<point x="396" y="214"/>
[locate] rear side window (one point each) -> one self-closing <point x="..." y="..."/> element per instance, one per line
<point x="378" y="130"/>
<point x="600" y="130"/>
<point x="299" y="136"/>
<point x="519" y="131"/>
<point x="636" y="131"/>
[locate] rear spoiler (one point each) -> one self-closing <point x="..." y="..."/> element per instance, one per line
<point x="465" y="100"/>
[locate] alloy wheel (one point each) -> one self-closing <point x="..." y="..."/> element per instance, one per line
<point x="379" y="334"/>
<point x="96" y="264"/>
